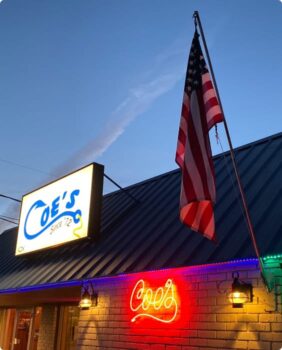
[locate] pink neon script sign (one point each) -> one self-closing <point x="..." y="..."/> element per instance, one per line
<point x="159" y="304"/>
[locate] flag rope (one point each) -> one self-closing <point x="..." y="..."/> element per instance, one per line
<point x="240" y="205"/>
<point x="231" y="179"/>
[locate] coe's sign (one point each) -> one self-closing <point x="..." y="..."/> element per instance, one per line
<point x="62" y="211"/>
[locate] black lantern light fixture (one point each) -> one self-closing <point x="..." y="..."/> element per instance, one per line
<point x="88" y="297"/>
<point x="241" y="292"/>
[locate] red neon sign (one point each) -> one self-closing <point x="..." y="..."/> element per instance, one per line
<point x="159" y="304"/>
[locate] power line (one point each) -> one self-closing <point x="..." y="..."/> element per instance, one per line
<point x="24" y="166"/>
<point x="10" y="221"/>
<point x="8" y="217"/>
<point x="8" y="197"/>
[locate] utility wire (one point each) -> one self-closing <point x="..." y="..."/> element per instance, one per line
<point x="24" y="166"/>
<point x="8" y="197"/>
<point x="15" y="223"/>
<point x="8" y="217"/>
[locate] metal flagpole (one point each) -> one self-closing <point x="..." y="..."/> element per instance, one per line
<point x="247" y="214"/>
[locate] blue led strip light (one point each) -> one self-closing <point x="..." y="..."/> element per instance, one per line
<point x="77" y="283"/>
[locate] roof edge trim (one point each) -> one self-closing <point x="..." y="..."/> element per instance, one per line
<point x="74" y="283"/>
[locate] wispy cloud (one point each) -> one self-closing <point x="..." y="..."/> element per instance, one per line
<point x="162" y="76"/>
<point x="166" y="70"/>
<point x="140" y="98"/>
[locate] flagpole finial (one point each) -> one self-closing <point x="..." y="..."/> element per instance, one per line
<point x="195" y="16"/>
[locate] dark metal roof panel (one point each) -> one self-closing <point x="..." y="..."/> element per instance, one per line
<point x="148" y="235"/>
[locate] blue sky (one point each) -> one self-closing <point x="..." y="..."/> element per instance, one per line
<point x="84" y="81"/>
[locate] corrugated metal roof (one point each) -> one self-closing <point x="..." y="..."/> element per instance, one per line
<point x="148" y="235"/>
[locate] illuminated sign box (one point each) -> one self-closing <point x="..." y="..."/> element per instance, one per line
<point x="63" y="211"/>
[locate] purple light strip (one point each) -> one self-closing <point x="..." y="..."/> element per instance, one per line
<point x="42" y="286"/>
<point x="76" y="283"/>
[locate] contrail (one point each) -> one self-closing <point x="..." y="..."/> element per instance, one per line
<point x="139" y="100"/>
<point x="166" y="70"/>
<point x="161" y="78"/>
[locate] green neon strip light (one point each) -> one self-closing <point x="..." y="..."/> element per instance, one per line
<point x="272" y="257"/>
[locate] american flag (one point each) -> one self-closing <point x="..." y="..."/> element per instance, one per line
<point x="200" y="112"/>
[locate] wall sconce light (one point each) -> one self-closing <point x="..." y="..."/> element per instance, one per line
<point x="88" y="297"/>
<point x="241" y="292"/>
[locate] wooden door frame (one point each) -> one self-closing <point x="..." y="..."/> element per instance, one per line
<point x="61" y="325"/>
<point x="30" y="330"/>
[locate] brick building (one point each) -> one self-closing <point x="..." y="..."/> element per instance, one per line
<point x="158" y="285"/>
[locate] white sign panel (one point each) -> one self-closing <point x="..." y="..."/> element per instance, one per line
<point x="57" y="213"/>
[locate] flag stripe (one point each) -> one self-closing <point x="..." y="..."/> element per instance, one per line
<point x="200" y="112"/>
<point x="203" y="152"/>
<point x="199" y="217"/>
<point x="195" y="141"/>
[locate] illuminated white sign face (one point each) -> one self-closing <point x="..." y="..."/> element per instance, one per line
<point x="57" y="213"/>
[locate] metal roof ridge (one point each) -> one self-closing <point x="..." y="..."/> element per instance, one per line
<point x="142" y="182"/>
<point x="250" y="144"/>
<point x="170" y="172"/>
